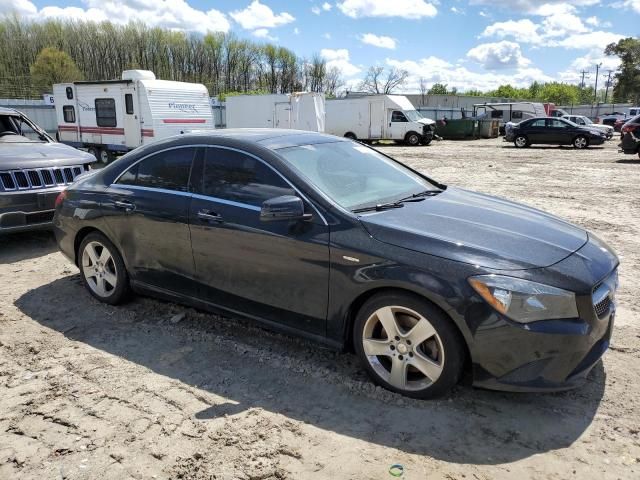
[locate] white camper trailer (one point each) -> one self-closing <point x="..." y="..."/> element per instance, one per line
<point x="514" y="112"/>
<point x="300" y="111"/>
<point x="114" y="116"/>
<point x="378" y="117"/>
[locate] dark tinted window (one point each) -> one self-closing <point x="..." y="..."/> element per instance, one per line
<point x="398" y="117"/>
<point x="69" y="92"/>
<point x="69" y="114"/>
<point x="516" y="114"/>
<point x="105" y="112"/>
<point x="235" y="176"/>
<point x="169" y="170"/>
<point x="128" y="102"/>
<point x="496" y="113"/>
<point x="537" y="123"/>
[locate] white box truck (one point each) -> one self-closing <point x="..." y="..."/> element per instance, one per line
<point x="378" y="117"/>
<point x="300" y="111"/>
<point x="115" y="116"/>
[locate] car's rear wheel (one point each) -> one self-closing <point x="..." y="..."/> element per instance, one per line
<point x="521" y="141"/>
<point x="408" y="346"/>
<point x="102" y="269"/>
<point x="580" y="142"/>
<point x="351" y="136"/>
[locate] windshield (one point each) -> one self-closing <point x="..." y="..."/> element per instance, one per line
<point x="587" y="121"/>
<point x="353" y="175"/>
<point x="16" y="129"/>
<point x="412" y="115"/>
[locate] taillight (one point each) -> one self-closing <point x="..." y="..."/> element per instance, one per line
<point x="60" y="198"/>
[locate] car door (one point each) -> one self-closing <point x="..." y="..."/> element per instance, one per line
<point x="397" y="125"/>
<point x="277" y="271"/>
<point x="560" y="132"/>
<point x="536" y="131"/>
<point x="147" y="210"/>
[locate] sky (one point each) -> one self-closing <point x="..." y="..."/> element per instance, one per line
<point x="467" y="44"/>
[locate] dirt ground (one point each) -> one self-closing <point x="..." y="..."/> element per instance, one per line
<point x="90" y="391"/>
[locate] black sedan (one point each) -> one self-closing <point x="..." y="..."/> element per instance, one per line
<point x="330" y="239"/>
<point x="553" y="131"/>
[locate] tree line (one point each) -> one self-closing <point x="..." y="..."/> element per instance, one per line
<point x="222" y="62"/>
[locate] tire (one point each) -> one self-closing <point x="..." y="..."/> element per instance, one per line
<point x="580" y="142"/>
<point x="350" y="136"/>
<point x="412" y="139"/>
<point x="95" y="152"/>
<point x="397" y="363"/>
<point x="104" y="275"/>
<point x="105" y="156"/>
<point x="427" y="142"/>
<point x="521" y="141"/>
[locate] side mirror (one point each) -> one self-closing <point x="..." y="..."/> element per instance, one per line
<point x="286" y="207"/>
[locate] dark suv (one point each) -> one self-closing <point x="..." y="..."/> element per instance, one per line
<point x="34" y="168"/>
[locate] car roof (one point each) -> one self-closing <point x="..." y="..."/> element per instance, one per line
<point x="271" y="138"/>
<point x="8" y="111"/>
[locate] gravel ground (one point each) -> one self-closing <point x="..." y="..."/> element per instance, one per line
<point x="92" y="391"/>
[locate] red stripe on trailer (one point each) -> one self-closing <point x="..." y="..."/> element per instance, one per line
<point x="105" y="130"/>
<point x="67" y="128"/>
<point x="147" y="132"/>
<point x="184" y="120"/>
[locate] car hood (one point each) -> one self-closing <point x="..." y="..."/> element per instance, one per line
<point x="477" y="229"/>
<point x="39" y="155"/>
<point x="426" y="121"/>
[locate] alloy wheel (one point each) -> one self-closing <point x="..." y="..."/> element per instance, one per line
<point x="99" y="269"/>
<point x="580" y="142"/>
<point x="403" y="348"/>
<point x="521" y="141"/>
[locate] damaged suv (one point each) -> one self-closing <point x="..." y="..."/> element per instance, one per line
<point x="34" y="169"/>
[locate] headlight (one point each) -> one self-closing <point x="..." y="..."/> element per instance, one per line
<point x="525" y="301"/>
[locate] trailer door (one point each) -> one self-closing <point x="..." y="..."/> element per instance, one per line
<point x="377" y="119"/>
<point x="283" y="115"/>
<point x="132" y="132"/>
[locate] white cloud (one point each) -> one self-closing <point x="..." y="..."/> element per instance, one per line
<point x="173" y="14"/>
<point x="327" y="35"/>
<point x="524" y="30"/>
<point x="457" y="11"/>
<point x="594" y="21"/>
<point x="316" y="10"/>
<point x="538" y="7"/>
<point x="587" y="63"/>
<point x="631" y="5"/>
<point x="326" y="6"/>
<point x="258" y="15"/>
<point x="340" y="59"/>
<point x="263" y="33"/>
<point x="380" y="41"/>
<point x="590" y="40"/>
<point x="387" y="8"/>
<point x="498" y="55"/>
<point x="296" y="31"/>
<point x="437" y="70"/>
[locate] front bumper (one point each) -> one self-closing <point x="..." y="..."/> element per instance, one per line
<point x="550" y="355"/>
<point x="28" y="210"/>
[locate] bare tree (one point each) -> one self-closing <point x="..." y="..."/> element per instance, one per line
<point x="333" y="81"/>
<point x="375" y="81"/>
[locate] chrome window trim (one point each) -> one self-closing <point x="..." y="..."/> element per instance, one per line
<point x="206" y="197"/>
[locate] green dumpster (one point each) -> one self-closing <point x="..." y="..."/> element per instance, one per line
<point x="460" y="129"/>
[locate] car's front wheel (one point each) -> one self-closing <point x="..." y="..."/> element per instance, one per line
<point x="521" y="141"/>
<point x="102" y="269"/>
<point x="580" y="142"/>
<point x="408" y="346"/>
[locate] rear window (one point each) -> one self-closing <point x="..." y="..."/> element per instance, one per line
<point x="105" y="112"/>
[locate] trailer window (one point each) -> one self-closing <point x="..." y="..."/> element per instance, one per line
<point x="69" y="114"/>
<point x="516" y="114"/>
<point x="168" y="170"/>
<point x="105" y="112"/>
<point x="128" y="103"/>
<point x="69" y="92"/>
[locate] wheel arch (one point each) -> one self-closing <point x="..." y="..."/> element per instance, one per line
<point x="80" y="236"/>
<point x="359" y="301"/>
<point x="412" y="132"/>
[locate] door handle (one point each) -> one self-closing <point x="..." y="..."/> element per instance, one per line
<point x="209" y="216"/>
<point x="126" y="206"/>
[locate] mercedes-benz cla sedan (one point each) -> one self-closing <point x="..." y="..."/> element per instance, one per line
<point x="330" y="239"/>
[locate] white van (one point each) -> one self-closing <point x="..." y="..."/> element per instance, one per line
<point x="378" y="117"/>
<point x="115" y="116"/>
<point x="300" y="111"/>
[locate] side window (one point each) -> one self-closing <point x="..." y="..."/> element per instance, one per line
<point x="538" y="123"/>
<point x="69" y="92"/>
<point x="516" y="114"/>
<point x="69" y="114"/>
<point x="397" y="116"/>
<point x="105" y="112"/>
<point x="128" y="103"/>
<point x="557" y="124"/>
<point x="168" y="170"/>
<point x="496" y="113"/>
<point x="235" y="176"/>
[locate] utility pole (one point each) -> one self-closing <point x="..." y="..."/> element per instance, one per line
<point x="583" y="73"/>
<point x="608" y="84"/>
<point x="595" y="89"/>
